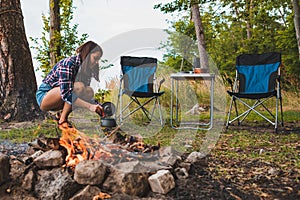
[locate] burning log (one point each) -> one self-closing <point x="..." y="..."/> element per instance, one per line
<point x="29" y="159"/>
<point x="80" y="147"/>
<point x="53" y="143"/>
<point x="45" y="144"/>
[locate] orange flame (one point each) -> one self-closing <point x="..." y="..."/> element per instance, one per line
<point x="78" y="147"/>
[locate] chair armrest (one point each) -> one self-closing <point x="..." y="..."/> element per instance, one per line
<point x="160" y="83"/>
<point x="230" y="83"/>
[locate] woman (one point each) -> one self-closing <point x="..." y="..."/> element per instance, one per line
<point x="56" y="91"/>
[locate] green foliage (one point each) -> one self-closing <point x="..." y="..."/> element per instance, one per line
<point x="178" y="63"/>
<point x="181" y="46"/>
<point x="178" y="5"/>
<point x="105" y="65"/>
<point x="101" y="94"/>
<point x="67" y="40"/>
<point x="232" y="28"/>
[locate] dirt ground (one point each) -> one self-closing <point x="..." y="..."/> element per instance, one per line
<point x="248" y="178"/>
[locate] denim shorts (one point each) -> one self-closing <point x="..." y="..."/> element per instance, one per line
<point x="41" y="92"/>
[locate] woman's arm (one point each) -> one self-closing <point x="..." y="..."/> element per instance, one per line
<point x="92" y="107"/>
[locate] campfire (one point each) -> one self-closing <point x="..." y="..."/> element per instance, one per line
<point x="76" y="165"/>
<point x="79" y="147"/>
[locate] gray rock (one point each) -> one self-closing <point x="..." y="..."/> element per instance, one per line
<point x="56" y="184"/>
<point x="29" y="181"/>
<point x="127" y="178"/>
<point x="162" y="182"/>
<point x="194" y="157"/>
<point x="4" y="168"/>
<point x="52" y="158"/>
<point x="181" y="173"/>
<point x="185" y="165"/>
<point x="169" y="156"/>
<point x="90" y="172"/>
<point x="87" y="193"/>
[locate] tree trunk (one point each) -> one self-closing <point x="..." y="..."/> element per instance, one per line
<point x="249" y="18"/>
<point x="54" y="30"/>
<point x="296" y="8"/>
<point x="200" y="36"/>
<point x="17" y="81"/>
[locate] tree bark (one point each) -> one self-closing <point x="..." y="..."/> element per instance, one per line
<point x="296" y="9"/>
<point x="200" y="36"/>
<point x="54" y="30"/>
<point x="17" y="81"/>
<point x="249" y="18"/>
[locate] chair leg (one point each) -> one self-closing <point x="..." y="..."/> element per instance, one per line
<point x="145" y="111"/>
<point x="236" y="111"/>
<point x="263" y="105"/>
<point x="157" y="105"/>
<point x="249" y="111"/>
<point x="229" y="113"/>
<point x="276" y="115"/>
<point x="253" y="108"/>
<point x="233" y="101"/>
<point x="149" y="114"/>
<point x="281" y="110"/>
<point x="119" y="106"/>
<point x="140" y="106"/>
<point x="160" y="113"/>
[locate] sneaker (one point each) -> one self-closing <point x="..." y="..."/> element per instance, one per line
<point x="64" y="124"/>
<point x="55" y="115"/>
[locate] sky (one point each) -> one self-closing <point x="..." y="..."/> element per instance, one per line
<point x="121" y="27"/>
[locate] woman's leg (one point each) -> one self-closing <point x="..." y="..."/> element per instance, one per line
<point x="78" y="88"/>
<point x="88" y="93"/>
<point x="84" y="93"/>
<point x="52" y="100"/>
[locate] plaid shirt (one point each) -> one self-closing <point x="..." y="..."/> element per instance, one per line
<point x="63" y="75"/>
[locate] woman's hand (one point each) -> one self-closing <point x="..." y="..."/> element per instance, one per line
<point x="96" y="108"/>
<point x="92" y="107"/>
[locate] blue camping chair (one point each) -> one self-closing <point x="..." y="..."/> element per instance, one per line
<point x="139" y="83"/>
<point x="257" y="80"/>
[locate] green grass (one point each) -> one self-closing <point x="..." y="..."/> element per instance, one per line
<point x="46" y="128"/>
<point x="282" y="149"/>
<point x="291" y="115"/>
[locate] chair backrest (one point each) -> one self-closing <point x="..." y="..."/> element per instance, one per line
<point x="257" y="73"/>
<point x="138" y="73"/>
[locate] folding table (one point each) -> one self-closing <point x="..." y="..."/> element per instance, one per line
<point x="175" y="87"/>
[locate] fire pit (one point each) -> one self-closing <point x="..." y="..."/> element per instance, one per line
<point x="77" y="166"/>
